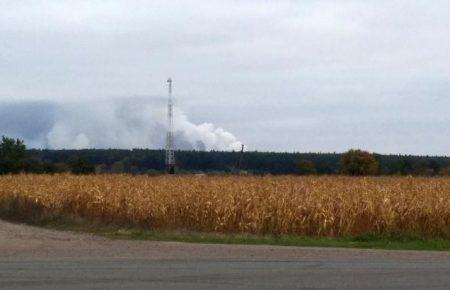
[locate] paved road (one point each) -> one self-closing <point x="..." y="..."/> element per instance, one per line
<point x="43" y="259"/>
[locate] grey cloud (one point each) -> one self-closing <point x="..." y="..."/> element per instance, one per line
<point x="133" y="122"/>
<point x="27" y="120"/>
<point x="280" y="75"/>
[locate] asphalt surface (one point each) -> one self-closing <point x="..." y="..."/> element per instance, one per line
<point x="34" y="258"/>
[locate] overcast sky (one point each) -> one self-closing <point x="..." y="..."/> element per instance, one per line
<point x="276" y="75"/>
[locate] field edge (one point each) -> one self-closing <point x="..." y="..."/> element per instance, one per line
<point x="387" y="243"/>
<point x="125" y="232"/>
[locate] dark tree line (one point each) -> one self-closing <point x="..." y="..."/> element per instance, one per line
<point x="143" y="161"/>
<point x="15" y="158"/>
<point x="12" y="155"/>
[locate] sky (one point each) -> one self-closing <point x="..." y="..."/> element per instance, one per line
<point x="296" y="76"/>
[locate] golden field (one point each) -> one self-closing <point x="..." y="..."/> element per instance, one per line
<point x="308" y="206"/>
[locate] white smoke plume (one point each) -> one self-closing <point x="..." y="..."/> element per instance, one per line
<point x="136" y="122"/>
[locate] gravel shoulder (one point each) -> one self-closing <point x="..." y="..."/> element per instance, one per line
<point x="20" y="240"/>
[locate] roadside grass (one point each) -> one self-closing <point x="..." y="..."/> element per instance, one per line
<point x="390" y="242"/>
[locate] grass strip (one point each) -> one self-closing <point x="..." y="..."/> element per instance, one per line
<point x="365" y="241"/>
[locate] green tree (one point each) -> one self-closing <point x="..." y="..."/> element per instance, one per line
<point x="306" y="167"/>
<point x="424" y="168"/>
<point x="79" y="166"/>
<point x="445" y="171"/>
<point x="358" y="162"/>
<point x="12" y="155"/>
<point x="434" y="166"/>
<point x="406" y="167"/>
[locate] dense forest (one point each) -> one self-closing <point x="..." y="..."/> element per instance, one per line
<point x="15" y="158"/>
<point x="145" y="161"/>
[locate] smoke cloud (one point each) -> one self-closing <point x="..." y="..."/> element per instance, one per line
<point x="135" y="122"/>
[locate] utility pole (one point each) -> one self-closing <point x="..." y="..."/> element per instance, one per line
<point x="237" y="166"/>
<point x="240" y="158"/>
<point x="170" y="148"/>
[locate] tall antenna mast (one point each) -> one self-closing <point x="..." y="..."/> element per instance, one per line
<point x="170" y="154"/>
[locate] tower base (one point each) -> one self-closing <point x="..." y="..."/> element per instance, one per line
<point x="170" y="169"/>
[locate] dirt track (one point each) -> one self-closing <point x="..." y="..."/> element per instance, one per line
<point x="41" y="258"/>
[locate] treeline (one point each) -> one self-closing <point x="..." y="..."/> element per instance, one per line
<point x="144" y="161"/>
<point x="15" y="158"/>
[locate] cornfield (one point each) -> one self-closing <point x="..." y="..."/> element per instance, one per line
<point x="307" y="206"/>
